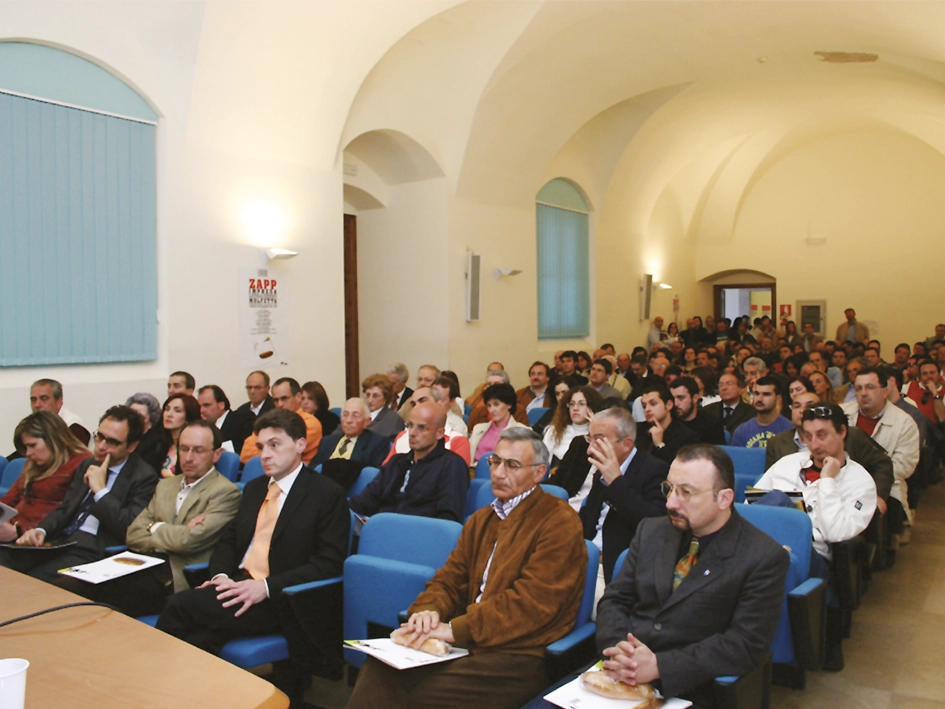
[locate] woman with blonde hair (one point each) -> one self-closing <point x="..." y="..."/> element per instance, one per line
<point x="52" y="456"/>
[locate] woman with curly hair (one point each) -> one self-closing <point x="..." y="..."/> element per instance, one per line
<point x="572" y="416"/>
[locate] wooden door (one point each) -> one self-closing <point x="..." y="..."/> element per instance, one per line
<point x="352" y="359"/>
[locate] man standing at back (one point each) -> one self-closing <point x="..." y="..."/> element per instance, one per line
<point x="291" y="528"/>
<point x="768" y="420"/>
<point x="852" y="331"/>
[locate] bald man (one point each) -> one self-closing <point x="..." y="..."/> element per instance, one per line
<point x="428" y="480"/>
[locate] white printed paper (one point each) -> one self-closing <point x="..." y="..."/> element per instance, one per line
<point x="574" y="696"/>
<point x="111" y="568"/>
<point x="398" y="656"/>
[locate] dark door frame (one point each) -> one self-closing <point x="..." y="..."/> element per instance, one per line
<point x="717" y="296"/>
<point x="352" y="345"/>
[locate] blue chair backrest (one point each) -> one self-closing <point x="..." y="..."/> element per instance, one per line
<point x="620" y="559"/>
<point x="3" y="464"/>
<point x="535" y="414"/>
<point x="728" y="437"/>
<point x="11" y="472"/>
<point x="472" y="495"/>
<point x="749" y="462"/>
<point x="482" y="466"/>
<point x="484" y="496"/>
<point x="229" y="466"/>
<point x="252" y="469"/>
<point x="557" y="491"/>
<point x="790" y="528"/>
<point x="590" y="584"/>
<point x="364" y="479"/>
<point x="467" y="409"/>
<point x="336" y="410"/>
<point x="409" y="538"/>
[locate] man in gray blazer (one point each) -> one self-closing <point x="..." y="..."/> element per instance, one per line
<point x="700" y="593"/>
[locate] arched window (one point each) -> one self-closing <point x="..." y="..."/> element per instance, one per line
<point x="78" y="263"/>
<point x="563" y="262"/>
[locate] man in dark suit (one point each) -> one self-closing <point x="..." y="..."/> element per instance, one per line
<point x="235" y="426"/>
<point x="398" y="375"/>
<point x="626" y="486"/>
<point x="291" y="528"/>
<point x="661" y="436"/>
<point x="354" y="442"/>
<point x="257" y="389"/>
<point x="700" y="593"/>
<point x="708" y="428"/>
<point x="732" y="409"/>
<point x="107" y="493"/>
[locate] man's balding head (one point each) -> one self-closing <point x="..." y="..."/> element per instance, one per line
<point x="425" y="428"/>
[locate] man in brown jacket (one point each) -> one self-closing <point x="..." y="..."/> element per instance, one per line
<point x="512" y="586"/>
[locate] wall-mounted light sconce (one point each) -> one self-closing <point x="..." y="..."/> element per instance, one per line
<point x="499" y="272"/>
<point x="665" y="286"/>
<point x="273" y="254"/>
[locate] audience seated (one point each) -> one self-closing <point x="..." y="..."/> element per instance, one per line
<point x="257" y="389"/>
<point x="53" y="454"/>
<point x="182" y="523"/>
<point x="480" y="412"/>
<point x="234" y="426"/>
<point x="568" y="366"/>
<point x="398" y="374"/>
<point x="106" y="494"/>
<point x="768" y="421"/>
<point x="731" y="407"/>
<point x="538" y="393"/>
<point x="181" y="383"/>
<point x="378" y="395"/>
<point x="428" y="480"/>
<point x="570" y="420"/>
<point x="161" y="453"/>
<point x="454" y="439"/>
<point x="315" y="402"/>
<point x="845" y="393"/>
<point x="599" y="376"/>
<point x="661" y="436"/>
<point x="287" y="396"/>
<point x="512" y="586"/>
<point x="561" y="387"/>
<point x="46" y="395"/>
<point x="446" y="390"/>
<point x="354" y="441"/>
<point x="625" y="486"/>
<point x="292" y="527"/>
<point x="686" y="409"/>
<point x="501" y="403"/>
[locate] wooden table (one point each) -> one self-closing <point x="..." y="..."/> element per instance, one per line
<point x="97" y="658"/>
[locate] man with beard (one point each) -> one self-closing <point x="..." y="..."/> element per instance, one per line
<point x="768" y="421"/>
<point x="708" y="429"/>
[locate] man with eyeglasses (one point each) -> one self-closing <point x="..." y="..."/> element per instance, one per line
<point x="429" y="480"/>
<point x="512" y="586"/>
<point x="257" y="389"/>
<point x="183" y="523"/>
<point x="891" y="428"/>
<point x="108" y="491"/>
<point x="701" y="590"/>
<point x="860" y="447"/>
<point x="625" y="487"/>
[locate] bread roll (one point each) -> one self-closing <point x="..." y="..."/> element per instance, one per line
<point x="599" y="683"/>
<point x="431" y="646"/>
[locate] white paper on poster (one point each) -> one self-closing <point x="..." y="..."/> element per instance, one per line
<point x="264" y="319"/>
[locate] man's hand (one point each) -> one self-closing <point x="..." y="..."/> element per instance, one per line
<point x="631" y="662"/>
<point x="248" y="593"/>
<point x="831" y="467"/>
<point x="97" y="475"/>
<point x="656" y="433"/>
<point x="426" y="624"/>
<point x="199" y="519"/>
<point x="881" y="505"/>
<point x="32" y="538"/>
<point x="601" y="455"/>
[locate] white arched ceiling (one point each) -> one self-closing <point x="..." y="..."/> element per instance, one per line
<point x="394" y="157"/>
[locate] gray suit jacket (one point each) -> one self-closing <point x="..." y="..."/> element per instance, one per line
<point x="387" y="424"/>
<point x="720" y="620"/>
<point x="215" y="497"/>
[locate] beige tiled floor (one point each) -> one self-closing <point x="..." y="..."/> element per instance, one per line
<point x="895" y="657"/>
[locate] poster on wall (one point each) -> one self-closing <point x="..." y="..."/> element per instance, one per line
<point x="264" y="319"/>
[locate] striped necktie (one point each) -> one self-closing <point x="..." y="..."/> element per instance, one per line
<point x="686" y="563"/>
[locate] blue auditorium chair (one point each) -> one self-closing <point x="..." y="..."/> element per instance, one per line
<point x="11" y="471"/>
<point x="364" y="479"/>
<point x="229" y="466"/>
<point x="534" y="415"/>
<point x="749" y="467"/>
<point x="252" y="469"/>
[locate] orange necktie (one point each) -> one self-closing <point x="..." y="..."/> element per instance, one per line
<point x="257" y="563"/>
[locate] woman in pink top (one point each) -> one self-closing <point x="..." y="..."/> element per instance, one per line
<point x="500" y="400"/>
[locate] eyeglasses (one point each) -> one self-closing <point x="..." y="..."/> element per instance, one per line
<point x="684" y="494"/>
<point x="576" y="404"/>
<point x="495" y="461"/>
<point x="113" y="442"/>
<point x="600" y="437"/>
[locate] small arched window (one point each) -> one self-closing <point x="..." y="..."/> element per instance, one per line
<point x="563" y="262"/>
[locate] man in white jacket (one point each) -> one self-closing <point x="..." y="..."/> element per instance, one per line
<point x="839" y="495"/>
